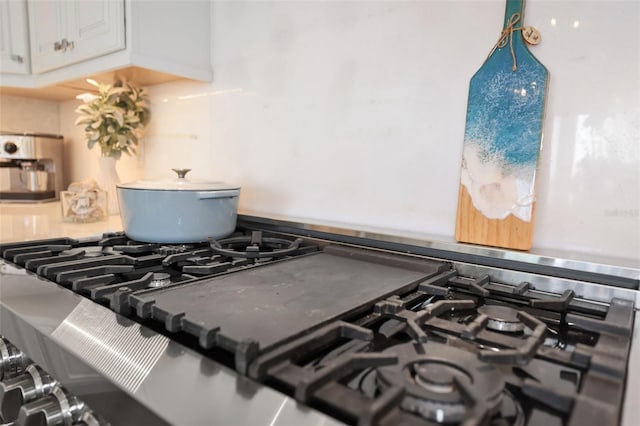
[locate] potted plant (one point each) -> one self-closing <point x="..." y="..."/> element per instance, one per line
<point x="114" y="119"/>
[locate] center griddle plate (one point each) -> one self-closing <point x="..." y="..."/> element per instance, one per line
<point x="275" y="302"/>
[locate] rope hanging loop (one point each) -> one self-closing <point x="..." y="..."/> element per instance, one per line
<point x="507" y="37"/>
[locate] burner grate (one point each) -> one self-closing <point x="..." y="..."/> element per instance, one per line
<point x="540" y="384"/>
<point x="256" y="246"/>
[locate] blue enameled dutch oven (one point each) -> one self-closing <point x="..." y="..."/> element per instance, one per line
<point x="178" y="210"/>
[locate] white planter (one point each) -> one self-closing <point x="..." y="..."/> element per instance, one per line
<point x="107" y="180"/>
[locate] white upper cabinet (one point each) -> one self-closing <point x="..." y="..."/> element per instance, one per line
<point x="14" y="40"/>
<point x="67" y="32"/>
<point x="153" y="41"/>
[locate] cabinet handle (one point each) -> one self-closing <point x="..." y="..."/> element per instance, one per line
<point x="17" y="58"/>
<point x="63" y="45"/>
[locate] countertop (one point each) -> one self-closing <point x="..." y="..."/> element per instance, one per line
<point x="24" y="222"/>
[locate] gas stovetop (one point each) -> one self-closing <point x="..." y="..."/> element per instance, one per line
<point x="358" y="334"/>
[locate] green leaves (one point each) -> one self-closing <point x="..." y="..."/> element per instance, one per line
<point x="115" y="118"/>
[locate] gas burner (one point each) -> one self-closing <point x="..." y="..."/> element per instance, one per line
<point x="443" y="383"/>
<point x="502" y="318"/>
<point x="173" y="249"/>
<point x="89" y="251"/>
<point x="160" y="279"/>
<point x="149" y="248"/>
<point x="255" y="246"/>
<point x="437" y="377"/>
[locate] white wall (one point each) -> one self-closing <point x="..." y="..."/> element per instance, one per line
<point x="354" y="112"/>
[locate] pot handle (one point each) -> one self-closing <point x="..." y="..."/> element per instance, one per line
<point x="204" y="195"/>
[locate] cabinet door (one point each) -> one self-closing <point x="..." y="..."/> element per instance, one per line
<point x="94" y="28"/>
<point x="66" y="32"/>
<point x="14" y="42"/>
<point x="46" y="29"/>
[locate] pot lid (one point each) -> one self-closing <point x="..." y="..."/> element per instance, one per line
<point x="180" y="183"/>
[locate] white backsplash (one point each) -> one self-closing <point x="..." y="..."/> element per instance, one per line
<point x="18" y="114"/>
<point x="354" y="112"/>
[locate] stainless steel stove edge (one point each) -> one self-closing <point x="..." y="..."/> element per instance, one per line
<point x="125" y="371"/>
<point x="603" y="271"/>
<point x="631" y="409"/>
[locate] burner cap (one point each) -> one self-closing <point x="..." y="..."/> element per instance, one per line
<point x="160" y="279"/>
<point x="432" y="375"/>
<point x="437" y="377"/>
<point x="502" y="318"/>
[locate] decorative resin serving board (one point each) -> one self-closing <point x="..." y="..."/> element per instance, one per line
<point x="502" y="139"/>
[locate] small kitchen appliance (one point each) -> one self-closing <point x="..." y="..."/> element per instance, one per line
<point x="31" y="167"/>
<point x="295" y="324"/>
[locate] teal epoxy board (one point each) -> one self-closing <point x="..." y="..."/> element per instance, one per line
<point x="502" y="139"/>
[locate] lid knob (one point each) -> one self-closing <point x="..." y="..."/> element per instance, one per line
<point x="181" y="172"/>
